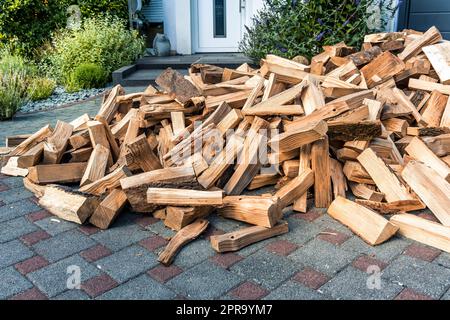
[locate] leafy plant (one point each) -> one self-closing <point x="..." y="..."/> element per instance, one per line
<point x="291" y="27"/>
<point x="41" y="88"/>
<point x="87" y="76"/>
<point x="15" y="73"/>
<point x="104" y="41"/>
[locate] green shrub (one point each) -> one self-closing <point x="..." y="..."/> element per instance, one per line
<point x="294" y="27"/>
<point x="104" y="41"/>
<point x="41" y="88"/>
<point x="87" y="76"/>
<point x="15" y="73"/>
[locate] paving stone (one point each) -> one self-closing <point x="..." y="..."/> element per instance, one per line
<point x="364" y="262"/>
<point x="30" y="265"/>
<point x="98" y="285"/>
<point x="17" y="209"/>
<point x="13" y="182"/>
<point x="140" y="288"/>
<point x="74" y="294"/>
<point x="160" y="229"/>
<point x="30" y="294"/>
<point x="119" y="237"/>
<point x="311" y="278"/>
<point x="291" y="290"/>
<point x="16" y="194"/>
<point x="127" y="263"/>
<point x="226" y="260"/>
<point x="204" y="281"/>
<point x="421" y="276"/>
<point x="425" y="253"/>
<point x="63" y="245"/>
<point x="409" y="294"/>
<point x="13" y="252"/>
<point x="162" y="273"/>
<point x="333" y="236"/>
<point x="52" y="279"/>
<point x="281" y="247"/>
<point x="384" y="252"/>
<point x="95" y="253"/>
<point x="145" y="220"/>
<point x="443" y="260"/>
<point x="3" y="187"/>
<point x="271" y="269"/>
<point x="327" y="222"/>
<point x="248" y="291"/>
<point x="12" y="282"/>
<point x="89" y="229"/>
<point x="15" y="228"/>
<point x="300" y="231"/>
<point x="446" y="296"/>
<point x="255" y="247"/>
<point x="38" y="215"/>
<point x="193" y="253"/>
<point x="309" y="216"/>
<point x="227" y="225"/>
<point x="323" y="256"/>
<point x="34" y="237"/>
<point x="153" y="242"/>
<point x="352" y="284"/>
<point x="54" y="225"/>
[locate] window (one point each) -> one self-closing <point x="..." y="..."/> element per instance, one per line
<point x="220" y="26"/>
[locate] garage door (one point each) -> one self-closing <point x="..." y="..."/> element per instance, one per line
<point x="422" y="14"/>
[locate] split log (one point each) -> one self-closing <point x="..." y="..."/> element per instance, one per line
<point x="80" y="139"/>
<point x="136" y="186"/>
<point x="431" y="188"/>
<point x="80" y="123"/>
<point x="80" y="155"/>
<point x="294" y="139"/>
<point x="97" y="135"/>
<point x="419" y="151"/>
<point x="179" y="217"/>
<point x="295" y="188"/>
<point x="108" y="182"/>
<point x="440" y="145"/>
<point x="110" y="105"/>
<point x="11" y="168"/>
<point x="183" y="197"/>
<point x="370" y="226"/>
<point x="57" y="173"/>
<point x="300" y="204"/>
<point x="174" y="83"/>
<point x="434" y="109"/>
<point x="355" y="172"/>
<point x="427" y="131"/>
<point x="262" y="211"/>
<point x="31" y="157"/>
<point x="68" y="205"/>
<point x="96" y="166"/>
<point x="236" y="240"/>
<point x="403" y="100"/>
<point x="362" y="190"/>
<point x="392" y="207"/>
<point x="36" y="189"/>
<point x="56" y="144"/>
<point x="262" y="180"/>
<point x="142" y="154"/>
<point x="108" y="210"/>
<point x="431" y="36"/>
<point x="320" y="162"/>
<point x="417" y="84"/>
<point x="382" y="68"/>
<point x="422" y="230"/>
<point x="350" y="131"/>
<point x="184" y="236"/>
<point x="337" y="178"/>
<point x="445" y="120"/>
<point x="439" y="56"/>
<point x="31" y="141"/>
<point x="386" y="181"/>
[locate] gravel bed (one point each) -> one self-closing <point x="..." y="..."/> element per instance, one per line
<point x="60" y="98"/>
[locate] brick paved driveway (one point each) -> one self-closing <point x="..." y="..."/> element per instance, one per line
<point x="317" y="259"/>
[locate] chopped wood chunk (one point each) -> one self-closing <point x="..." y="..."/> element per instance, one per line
<point x="108" y="209"/>
<point x="182" y="197"/>
<point x="57" y="173"/>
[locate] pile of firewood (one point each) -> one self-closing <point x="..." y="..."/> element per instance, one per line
<point x="375" y="121"/>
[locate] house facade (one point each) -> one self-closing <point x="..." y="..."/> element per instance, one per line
<point x="200" y="26"/>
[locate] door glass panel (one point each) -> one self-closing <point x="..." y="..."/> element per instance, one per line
<point x="220" y="27"/>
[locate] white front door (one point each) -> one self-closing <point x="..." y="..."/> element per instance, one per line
<point x="218" y="25"/>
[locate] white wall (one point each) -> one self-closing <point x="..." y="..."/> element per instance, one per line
<point x="177" y="24"/>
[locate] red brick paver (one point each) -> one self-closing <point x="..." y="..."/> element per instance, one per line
<point x="95" y="253"/>
<point x="88" y="229"/>
<point x="281" y="247"/>
<point x="333" y="236"/>
<point x="38" y="215"/>
<point x="98" y="285"/>
<point x="363" y="262"/>
<point x="249" y="291"/>
<point x="145" y="221"/>
<point x="32" y="264"/>
<point x="162" y="273"/>
<point x="30" y="294"/>
<point x="422" y="252"/>
<point x="409" y="294"/>
<point x="153" y="242"/>
<point x="310" y="215"/>
<point x="3" y="187"/>
<point x="34" y="237"/>
<point x="226" y="260"/>
<point x="311" y="278"/>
